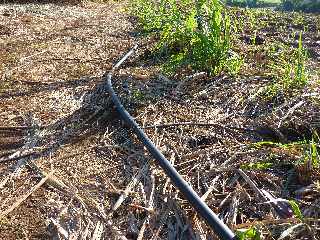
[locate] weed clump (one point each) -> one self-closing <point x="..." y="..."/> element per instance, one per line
<point x="192" y="34"/>
<point x="289" y="71"/>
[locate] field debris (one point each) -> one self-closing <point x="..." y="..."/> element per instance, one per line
<point x="245" y="139"/>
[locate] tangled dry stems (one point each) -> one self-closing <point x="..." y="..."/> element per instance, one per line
<point x="101" y="183"/>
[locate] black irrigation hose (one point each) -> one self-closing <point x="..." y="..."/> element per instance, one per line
<point x="200" y="206"/>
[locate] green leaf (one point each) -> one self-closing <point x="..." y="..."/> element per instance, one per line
<point x="191" y="23"/>
<point x="246" y="234"/>
<point x="296" y="209"/>
<point x="314" y="151"/>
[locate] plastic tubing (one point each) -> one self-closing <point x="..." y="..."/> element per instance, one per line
<point x="222" y="230"/>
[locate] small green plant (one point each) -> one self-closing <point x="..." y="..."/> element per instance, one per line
<point x="261" y="144"/>
<point x="246" y="234"/>
<point x="296" y="209"/>
<point x="310" y="156"/>
<point x="295" y="73"/>
<point x="288" y="69"/>
<point x="257" y="166"/>
<point x="311" y="152"/>
<point x="138" y="95"/>
<point x="234" y="64"/>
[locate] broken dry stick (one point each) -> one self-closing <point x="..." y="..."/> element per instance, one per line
<point x="24" y="197"/>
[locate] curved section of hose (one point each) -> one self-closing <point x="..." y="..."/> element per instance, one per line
<point x="200" y="206"/>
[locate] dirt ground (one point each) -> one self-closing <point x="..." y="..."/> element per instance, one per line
<point x="52" y="58"/>
<point x="70" y="169"/>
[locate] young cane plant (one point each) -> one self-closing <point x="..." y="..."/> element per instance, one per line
<point x="192" y="34"/>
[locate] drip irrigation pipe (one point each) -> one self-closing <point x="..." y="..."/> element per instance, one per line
<point x="200" y="206"/>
